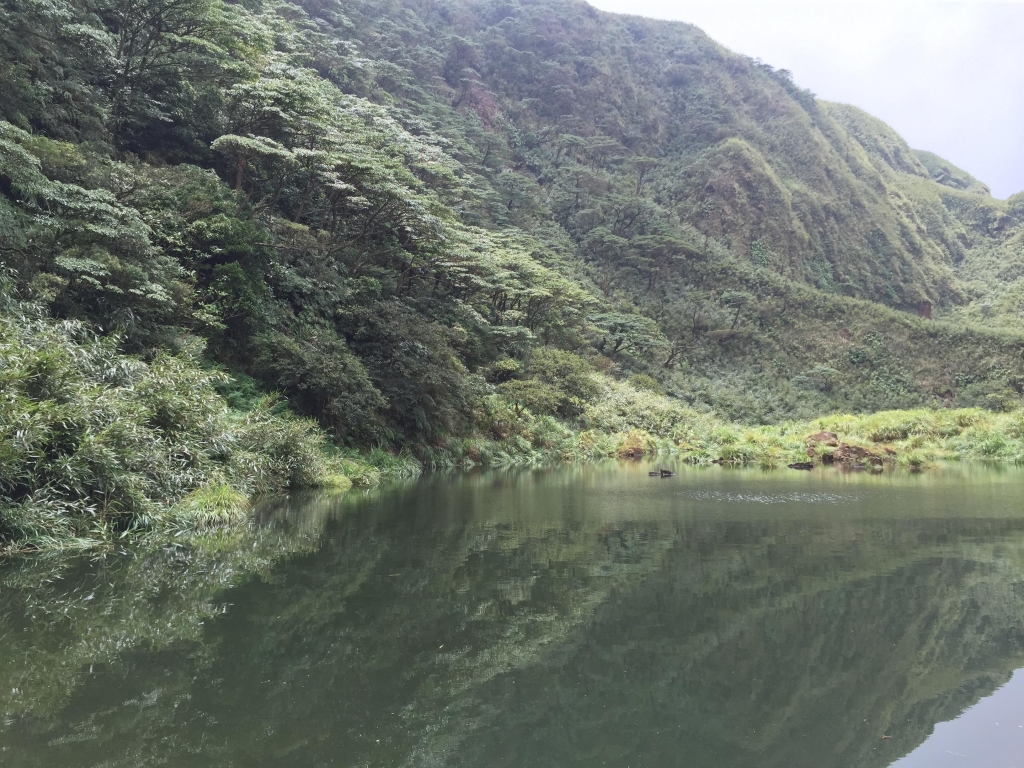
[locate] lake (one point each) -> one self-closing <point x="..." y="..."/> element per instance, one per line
<point x="584" y="615"/>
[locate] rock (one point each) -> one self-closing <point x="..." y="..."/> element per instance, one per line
<point x="854" y="455"/>
<point x="801" y="465"/>
<point x="830" y="439"/>
<point x="667" y="473"/>
<point x="654" y="474"/>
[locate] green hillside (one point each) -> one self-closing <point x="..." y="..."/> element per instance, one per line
<point x="401" y="215"/>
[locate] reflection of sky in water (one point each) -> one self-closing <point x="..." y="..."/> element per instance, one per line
<point x="988" y="735"/>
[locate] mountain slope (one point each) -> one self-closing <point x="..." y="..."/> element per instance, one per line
<point x="385" y="208"/>
<point x="675" y="165"/>
<point x="743" y="154"/>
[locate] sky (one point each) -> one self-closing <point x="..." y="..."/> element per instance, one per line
<point x="948" y="76"/>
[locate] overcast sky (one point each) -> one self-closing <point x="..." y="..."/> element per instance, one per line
<point x="948" y="76"/>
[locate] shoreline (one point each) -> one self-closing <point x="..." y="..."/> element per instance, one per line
<point x="915" y="440"/>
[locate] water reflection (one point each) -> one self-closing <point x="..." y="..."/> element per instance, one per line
<point x="989" y="734"/>
<point x="585" y="615"/>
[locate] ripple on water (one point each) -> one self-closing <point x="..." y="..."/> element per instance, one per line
<point x="729" y="497"/>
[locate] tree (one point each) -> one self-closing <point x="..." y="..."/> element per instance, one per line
<point x="48" y="62"/>
<point x="556" y="383"/>
<point x="643" y="167"/>
<point x="738" y="301"/>
<point x="80" y="247"/>
<point x="157" y="48"/>
<point x="621" y="332"/>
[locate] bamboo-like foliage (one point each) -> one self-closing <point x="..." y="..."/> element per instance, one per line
<point x="95" y="443"/>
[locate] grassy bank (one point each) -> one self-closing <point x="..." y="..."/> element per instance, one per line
<point x="629" y="422"/>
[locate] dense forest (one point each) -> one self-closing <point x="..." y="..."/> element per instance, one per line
<point x="241" y="240"/>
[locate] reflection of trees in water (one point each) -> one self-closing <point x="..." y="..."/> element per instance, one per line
<point x="803" y="666"/>
<point x="421" y="633"/>
<point x="61" y="615"/>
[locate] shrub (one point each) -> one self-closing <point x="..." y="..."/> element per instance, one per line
<point x="212" y="505"/>
<point x="1015" y="425"/>
<point x="647" y="383"/>
<point x="558" y="383"/>
<point x="636" y="442"/>
<point x="623" y="407"/>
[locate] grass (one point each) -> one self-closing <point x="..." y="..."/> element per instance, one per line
<point x="911" y="438"/>
<point x="210" y="506"/>
<point x="627" y="421"/>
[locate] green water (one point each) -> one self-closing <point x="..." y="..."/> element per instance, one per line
<point x="577" y="616"/>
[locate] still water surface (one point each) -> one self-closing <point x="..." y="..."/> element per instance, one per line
<point x="575" y="616"/>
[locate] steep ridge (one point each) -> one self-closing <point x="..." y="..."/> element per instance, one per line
<point x="738" y="151"/>
<point x="704" y="189"/>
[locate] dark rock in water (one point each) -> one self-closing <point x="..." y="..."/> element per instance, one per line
<point x="801" y="465"/>
<point x="667" y="473"/>
<point x="853" y="455"/>
<point x="654" y="474"/>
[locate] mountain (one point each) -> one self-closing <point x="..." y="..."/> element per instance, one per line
<point x="383" y="209"/>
